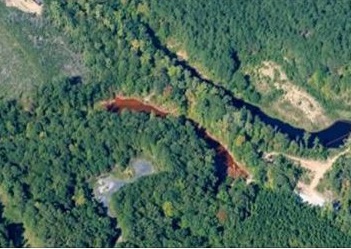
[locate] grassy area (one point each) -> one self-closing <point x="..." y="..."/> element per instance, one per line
<point x="31" y="53"/>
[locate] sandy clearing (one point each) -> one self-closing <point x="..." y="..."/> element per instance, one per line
<point x="28" y="6"/>
<point x="293" y="95"/>
<point x="182" y="55"/>
<point x="318" y="168"/>
<point x="312" y="197"/>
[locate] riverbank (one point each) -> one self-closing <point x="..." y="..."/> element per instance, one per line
<point x="330" y="137"/>
<point x="121" y="102"/>
<point x="223" y="155"/>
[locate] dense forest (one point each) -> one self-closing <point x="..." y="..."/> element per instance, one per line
<point x="51" y="153"/>
<point x="71" y="142"/>
<point x="337" y="181"/>
<point x="225" y="40"/>
<point x="55" y="146"/>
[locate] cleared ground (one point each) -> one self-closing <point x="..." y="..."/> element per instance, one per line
<point x="19" y="69"/>
<point x="318" y="168"/>
<point x="107" y="185"/>
<point x="25" y="5"/>
<point x="31" y="53"/>
<point x="294" y="105"/>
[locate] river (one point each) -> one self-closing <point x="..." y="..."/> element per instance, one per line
<point x="330" y="137"/>
<point x="226" y="165"/>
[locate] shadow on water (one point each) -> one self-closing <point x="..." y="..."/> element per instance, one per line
<point x="332" y="137"/>
<point x="75" y="80"/>
<point x="16" y="234"/>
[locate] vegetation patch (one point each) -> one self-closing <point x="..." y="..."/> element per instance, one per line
<point x="309" y="41"/>
<point x="51" y="152"/>
<point x="32" y="53"/>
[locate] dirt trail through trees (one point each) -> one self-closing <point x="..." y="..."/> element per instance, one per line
<point x="318" y="169"/>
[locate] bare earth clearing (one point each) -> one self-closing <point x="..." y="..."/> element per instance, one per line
<point x="318" y="168"/>
<point x="182" y="55"/>
<point x="295" y="104"/>
<point x="25" y="5"/>
<point x="108" y="184"/>
<point x="18" y="70"/>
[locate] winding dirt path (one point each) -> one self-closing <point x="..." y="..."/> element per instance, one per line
<point x="318" y="169"/>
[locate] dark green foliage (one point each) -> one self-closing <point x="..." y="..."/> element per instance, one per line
<point x="48" y="163"/>
<point x="51" y="154"/>
<point x="64" y="143"/>
<point x="338" y="180"/>
<point x="239" y="216"/>
<point x="283" y="174"/>
<point x="310" y="39"/>
<point x="143" y="67"/>
<point x="11" y="234"/>
<point x="279" y="220"/>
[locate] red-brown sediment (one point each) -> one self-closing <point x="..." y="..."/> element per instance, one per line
<point x="120" y="103"/>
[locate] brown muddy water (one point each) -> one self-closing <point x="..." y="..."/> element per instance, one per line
<point x="226" y="165"/>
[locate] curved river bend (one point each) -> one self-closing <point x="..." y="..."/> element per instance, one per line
<point x="331" y="137"/>
<point x="224" y="160"/>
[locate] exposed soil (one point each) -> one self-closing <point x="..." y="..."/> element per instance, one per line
<point x="318" y="169"/>
<point x="329" y="137"/>
<point x="300" y="102"/>
<point x="120" y="103"/>
<point x="182" y="55"/>
<point x="25" y="5"/>
<point x="107" y="185"/>
<point x="222" y="154"/>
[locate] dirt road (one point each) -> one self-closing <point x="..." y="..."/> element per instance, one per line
<point x="318" y="169"/>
